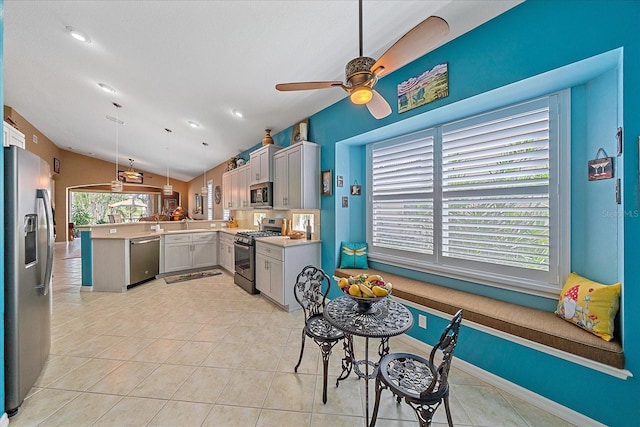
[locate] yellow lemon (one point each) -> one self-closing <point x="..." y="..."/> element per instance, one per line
<point x="366" y="292"/>
<point x="343" y="282"/>
<point x="354" y="290"/>
<point x="379" y="292"/>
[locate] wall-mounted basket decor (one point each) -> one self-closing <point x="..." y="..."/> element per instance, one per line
<point x="600" y="167"/>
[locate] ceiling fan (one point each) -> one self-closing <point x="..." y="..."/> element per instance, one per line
<point x="363" y="72"/>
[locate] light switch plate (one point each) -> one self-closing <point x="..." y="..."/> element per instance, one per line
<point x="113" y="231"/>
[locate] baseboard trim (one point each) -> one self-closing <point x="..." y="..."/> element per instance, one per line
<point x="85" y="289"/>
<point x="520" y="392"/>
<point x="4" y="420"/>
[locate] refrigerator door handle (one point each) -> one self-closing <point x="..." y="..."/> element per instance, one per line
<point x="44" y="195"/>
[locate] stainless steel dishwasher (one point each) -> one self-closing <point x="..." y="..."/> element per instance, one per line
<point x="144" y="259"/>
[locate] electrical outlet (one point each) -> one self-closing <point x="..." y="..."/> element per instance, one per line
<point x="113" y="231"/>
<point x="422" y="321"/>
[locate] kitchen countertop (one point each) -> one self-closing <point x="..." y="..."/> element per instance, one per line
<point x="125" y="236"/>
<point x="285" y="242"/>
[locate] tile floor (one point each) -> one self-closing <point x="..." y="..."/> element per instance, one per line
<point x="205" y="353"/>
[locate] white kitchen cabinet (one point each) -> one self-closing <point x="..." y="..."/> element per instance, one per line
<point x="261" y="164"/>
<point x="240" y="184"/>
<point x="278" y="267"/>
<point x="205" y="249"/>
<point x="185" y="251"/>
<point x="12" y="136"/>
<point x="227" y="194"/>
<point x="297" y="177"/>
<point x="235" y="188"/>
<point x="226" y="254"/>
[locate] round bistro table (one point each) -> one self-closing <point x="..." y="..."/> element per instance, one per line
<point x="385" y="319"/>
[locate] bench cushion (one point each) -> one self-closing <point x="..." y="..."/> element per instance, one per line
<point x="533" y="324"/>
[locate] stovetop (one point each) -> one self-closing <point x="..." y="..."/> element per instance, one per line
<point x="248" y="237"/>
<point x="256" y="234"/>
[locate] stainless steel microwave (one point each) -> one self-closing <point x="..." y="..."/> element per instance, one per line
<point x="261" y="195"/>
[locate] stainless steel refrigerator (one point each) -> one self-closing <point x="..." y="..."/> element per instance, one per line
<point x="28" y="249"/>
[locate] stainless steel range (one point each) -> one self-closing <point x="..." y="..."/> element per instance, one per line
<point x="245" y="253"/>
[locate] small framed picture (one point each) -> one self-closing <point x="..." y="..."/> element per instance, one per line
<point x="356" y="190"/>
<point x="600" y="169"/>
<point x="339" y="181"/>
<point x="345" y="201"/>
<point x="326" y="182"/>
<point x="56" y="165"/>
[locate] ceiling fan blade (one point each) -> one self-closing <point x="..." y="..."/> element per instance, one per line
<point x="417" y="42"/>
<point x="307" y="85"/>
<point x="378" y="106"/>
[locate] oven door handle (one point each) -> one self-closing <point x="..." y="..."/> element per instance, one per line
<point x="242" y="246"/>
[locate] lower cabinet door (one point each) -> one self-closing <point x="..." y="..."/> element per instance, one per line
<point x="276" y="273"/>
<point x="263" y="279"/>
<point x="204" y="255"/>
<point x="177" y="257"/>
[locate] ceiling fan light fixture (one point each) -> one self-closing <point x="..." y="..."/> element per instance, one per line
<point x="361" y="95"/>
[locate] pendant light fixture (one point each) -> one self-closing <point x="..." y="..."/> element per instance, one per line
<point x="204" y="190"/>
<point x="167" y="190"/>
<point x="116" y="185"/>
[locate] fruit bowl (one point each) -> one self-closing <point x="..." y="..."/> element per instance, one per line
<point x="365" y="290"/>
<point x="365" y="304"/>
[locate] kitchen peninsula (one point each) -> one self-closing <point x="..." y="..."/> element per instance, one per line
<point x="109" y="265"/>
<point x="107" y="261"/>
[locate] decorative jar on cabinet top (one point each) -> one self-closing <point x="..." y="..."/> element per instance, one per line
<point x="267" y="140"/>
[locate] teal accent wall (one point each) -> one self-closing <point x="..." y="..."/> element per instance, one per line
<point x="538" y="47"/>
<point x="2" y="397"/>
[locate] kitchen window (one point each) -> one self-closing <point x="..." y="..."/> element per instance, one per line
<point x="477" y="199"/>
<point x="210" y="199"/>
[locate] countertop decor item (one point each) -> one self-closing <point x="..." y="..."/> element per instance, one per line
<point x="267" y="140"/>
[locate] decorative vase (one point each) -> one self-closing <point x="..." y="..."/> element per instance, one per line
<point x="267" y="140"/>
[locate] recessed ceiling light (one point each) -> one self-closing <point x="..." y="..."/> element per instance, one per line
<point x="78" y="35"/>
<point x="106" y="88"/>
<point x="237" y="113"/>
<point x="193" y="124"/>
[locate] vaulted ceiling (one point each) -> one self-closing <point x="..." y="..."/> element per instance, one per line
<point x="171" y="62"/>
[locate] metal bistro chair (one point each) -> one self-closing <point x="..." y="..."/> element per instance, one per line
<point x="421" y="382"/>
<point x="310" y="295"/>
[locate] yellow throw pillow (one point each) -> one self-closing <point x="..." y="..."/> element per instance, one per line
<point x="590" y="305"/>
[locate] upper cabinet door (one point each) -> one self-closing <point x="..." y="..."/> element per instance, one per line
<point x="297" y="177"/>
<point x="261" y="164"/>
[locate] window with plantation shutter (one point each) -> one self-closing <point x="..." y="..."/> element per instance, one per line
<point x="402" y="195"/>
<point x="476" y="198"/>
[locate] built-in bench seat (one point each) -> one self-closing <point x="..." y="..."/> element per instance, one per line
<point x="532" y="324"/>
